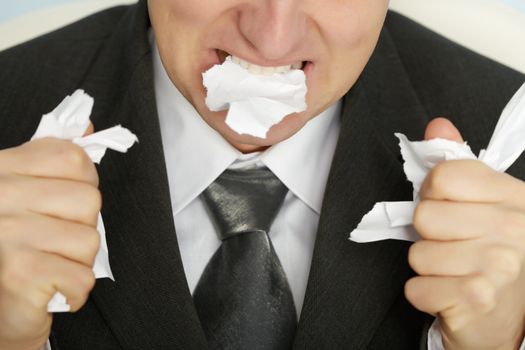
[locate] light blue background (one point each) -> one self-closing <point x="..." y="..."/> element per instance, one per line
<point x="14" y="8"/>
<point x="10" y="9"/>
<point x="519" y="4"/>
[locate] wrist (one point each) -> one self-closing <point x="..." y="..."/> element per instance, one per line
<point x="514" y="343"/>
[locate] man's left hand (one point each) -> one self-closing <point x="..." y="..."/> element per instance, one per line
<point x="471" y="258"/>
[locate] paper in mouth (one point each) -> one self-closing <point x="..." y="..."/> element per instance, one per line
<point x="69" y="121"/>
<point x="393" y="220"/>
<point x="254" y="102"/>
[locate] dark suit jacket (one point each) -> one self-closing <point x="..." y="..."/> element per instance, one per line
<point x="355" y="297"/>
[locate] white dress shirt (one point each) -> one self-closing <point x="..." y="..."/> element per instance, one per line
<point x="196" y="155"/>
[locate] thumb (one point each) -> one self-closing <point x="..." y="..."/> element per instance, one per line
<point x="90" y="129"/>
<point x="444" y="129"/>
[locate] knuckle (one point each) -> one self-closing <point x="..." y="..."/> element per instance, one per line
<point x="92" y="244"/>
<point x="85" y="283"/>
<point x="420" y="217"/>
<point x="74" y="160"/>
<point x="409" y="290"/>
<point x="451" y="174"/>
<point x="91" y="203"/>
<point x="89" y="281"/>
<point x="93" y="198"/>
<point x="504" y="261"/>
<point x="479" y="292"/>
<point x="77" y="302"/>
<point x="437" y="179"/>
<point x="416" y="257"/>
<point x="412" y="291"/>
<point x="95" y="202"/>
<point x="512" y="226"/>
<point x="73" y="156"/>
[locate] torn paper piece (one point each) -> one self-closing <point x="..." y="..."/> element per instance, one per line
<point x="116" y="138"/>
<point x="508" y="141"/>
<point x="506" y="145"/>
<point x="255" y="102"/>
<point x="393" y="220"/>
<point x="70" y="121"/>
<point x="58" y="304"/>
<point x="101" y="268"/>
<point x="421" y="156"/>
<point x="392" y="215"/>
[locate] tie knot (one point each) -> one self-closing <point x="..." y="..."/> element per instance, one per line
<point x="243" y="201"/>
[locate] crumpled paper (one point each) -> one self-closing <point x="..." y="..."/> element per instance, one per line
<point x="69" y="121"/>
<point x="255" y="102"/>
<point x="393" y="220"/>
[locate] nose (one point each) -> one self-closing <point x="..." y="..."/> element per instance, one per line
<point x="275" y="28"/>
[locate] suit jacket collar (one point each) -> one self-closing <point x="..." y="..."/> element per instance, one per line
<point x="351" y="286"/>
<point x="150" y="291"/>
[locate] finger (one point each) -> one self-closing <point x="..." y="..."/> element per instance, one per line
<point x="68" y="239"/>
<point x="433" y="258"/>
<point x="73" y="280"/>
<point x="446" y="220"/>
<point x="444" y="129"/>
<point x="470" y="181"/>
<point x="51" y="158"/>
<point x="69" y="200"/>
<point x="456" y="299"/>
<point x="90" y="129"/>
<point x="501" y="264"/>
<point x="37" y="276"/>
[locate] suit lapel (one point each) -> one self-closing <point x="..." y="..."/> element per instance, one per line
<point x="150" y="292"/>
<point x="352" y="286"/>
<point x="149" y="305"/>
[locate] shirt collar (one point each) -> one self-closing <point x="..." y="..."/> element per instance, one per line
<point x="302" y="162"/>
<point x="196" y="154"/>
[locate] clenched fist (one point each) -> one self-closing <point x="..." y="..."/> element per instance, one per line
<point x="471" y="259"/>
<point x="49" y="202"/>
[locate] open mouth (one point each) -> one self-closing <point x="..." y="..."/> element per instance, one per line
<point x="261" y="70"/>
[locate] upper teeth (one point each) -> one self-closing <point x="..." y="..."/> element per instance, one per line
<point x="253" y="68"/>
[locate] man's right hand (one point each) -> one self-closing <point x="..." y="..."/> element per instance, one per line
<point x="49" y="203"/>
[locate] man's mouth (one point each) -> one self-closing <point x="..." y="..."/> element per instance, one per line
<point x="257" y="69"/>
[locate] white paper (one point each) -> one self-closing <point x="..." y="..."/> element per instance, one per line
<point x="255" y="102"/>
<point x="70" y="121"/>
<point x="393" y="220"/>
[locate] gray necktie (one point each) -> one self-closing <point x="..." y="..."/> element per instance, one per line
<point x="243" y="298"/>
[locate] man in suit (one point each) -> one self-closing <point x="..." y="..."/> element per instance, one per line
<point x="469" y="263"/>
